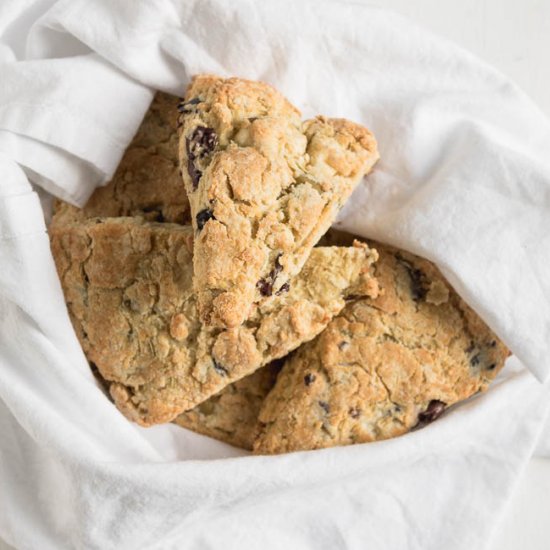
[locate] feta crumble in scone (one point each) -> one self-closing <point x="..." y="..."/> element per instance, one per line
<point x="128" y="287"/>
<point x="263" y="187"/>
<point x="383" y="365"/>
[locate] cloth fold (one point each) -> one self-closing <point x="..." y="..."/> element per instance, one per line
<point x="463" y="179"/>
<point x="56" y="120"/>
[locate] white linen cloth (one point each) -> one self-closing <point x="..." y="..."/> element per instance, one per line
<point x="464" y="180"/>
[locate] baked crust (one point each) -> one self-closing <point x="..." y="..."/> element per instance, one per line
<point x="128" y="287"/>
<point x="384" y="365"/>
<point x="263" y="187"/>
<point x="232" y="414"/>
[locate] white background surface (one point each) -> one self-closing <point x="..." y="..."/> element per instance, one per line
<point x="513" y="35"/>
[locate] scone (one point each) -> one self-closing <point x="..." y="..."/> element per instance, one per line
<point x="263" y="187"/>
<point x="383" y="366"/>
<point x="232" y="414"/>
<point x="147" y="182"/>
<point x="128" y="286"/>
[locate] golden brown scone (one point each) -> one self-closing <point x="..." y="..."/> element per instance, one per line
<point x="128" y="286"/>
<point x="384" y="365"/>
<point x="147" y="182"/>
<point x="263" y="187"/>
<point x="232" y="414"/>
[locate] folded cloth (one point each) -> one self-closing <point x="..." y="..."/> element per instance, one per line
<point x="463" y="180"/>
<point x="68" y="118"/>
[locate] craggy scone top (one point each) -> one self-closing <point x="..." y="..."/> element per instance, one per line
<point x="263" y="187"/>
<point x="383" y="365"/>
<point x="128" y="288"/>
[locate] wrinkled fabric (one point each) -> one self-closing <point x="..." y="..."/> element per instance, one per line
<point x="464" y="179"/>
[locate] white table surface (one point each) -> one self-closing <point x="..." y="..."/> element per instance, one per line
<point x="514" y="36"/>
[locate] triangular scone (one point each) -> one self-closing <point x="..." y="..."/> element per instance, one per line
<point x="147" y="182"/>
<point x="263" y="187"/>
<point x="383" y="366"/>
<point x="232" y="414"/>
<point x="128" y="286"/>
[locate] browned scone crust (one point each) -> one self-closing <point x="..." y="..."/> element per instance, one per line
<point x="232" y="414"/>
<point x="383" y="365"/>
<point x="147" y="182"/>
<point x="128" y="286"/>
<point x="263" y="187"/>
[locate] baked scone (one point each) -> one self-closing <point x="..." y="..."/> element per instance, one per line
<point x="263" y="187"/>
<point x="383" y="366"/>
<point x="147" y="182"/>
<point x="232" y="414"/>
<point x="128" y="286"/>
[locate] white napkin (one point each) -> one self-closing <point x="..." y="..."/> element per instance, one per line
<point x="464" y="180"/>
<point x="55" y="119"/>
